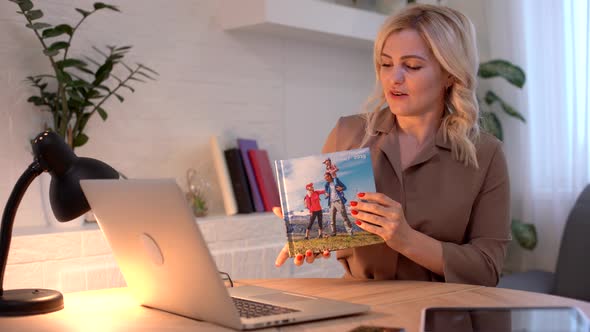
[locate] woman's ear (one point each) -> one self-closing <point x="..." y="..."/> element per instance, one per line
<point x="450" y="81"/>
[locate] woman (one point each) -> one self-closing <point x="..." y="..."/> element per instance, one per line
<point x="442" y="201"/>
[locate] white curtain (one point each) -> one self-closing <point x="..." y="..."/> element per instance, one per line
<point x="556" y="41"/>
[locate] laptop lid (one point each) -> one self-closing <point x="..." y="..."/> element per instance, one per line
<point x="159" y="248"/>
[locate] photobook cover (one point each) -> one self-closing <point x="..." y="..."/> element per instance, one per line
<point x="315" y="192"/>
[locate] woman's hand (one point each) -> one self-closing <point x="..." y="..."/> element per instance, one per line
<point x="381" y="215"/>
<point x="284" y="253"/>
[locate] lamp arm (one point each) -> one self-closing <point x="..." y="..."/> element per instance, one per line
<point x="12" y="204"/>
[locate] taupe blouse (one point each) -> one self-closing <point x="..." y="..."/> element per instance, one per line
<point x="467" y="209"/>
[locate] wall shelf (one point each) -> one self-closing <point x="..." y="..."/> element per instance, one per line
<point x="303" y="19"/>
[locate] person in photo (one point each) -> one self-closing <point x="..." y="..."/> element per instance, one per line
<point x="331" y="168"/>
<point x="334" y="189"/>
<point x="313" y="204"/>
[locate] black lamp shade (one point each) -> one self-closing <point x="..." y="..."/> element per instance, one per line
<point x="66" y="169"/>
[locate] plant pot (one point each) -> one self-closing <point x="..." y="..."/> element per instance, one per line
<point x="45" y="180"/>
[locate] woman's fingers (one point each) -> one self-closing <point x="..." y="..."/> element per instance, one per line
<point x="282" y="256"/>
<point x="379" y="198"/>
<point x="309" y="256"/>
<point x="299" y="259"/>
<point x="278" y="211"/>
<point x="377" y="230"/>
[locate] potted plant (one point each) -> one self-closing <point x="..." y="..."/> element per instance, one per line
<point x="524" y="233"/>
<point x="78" y="87"/>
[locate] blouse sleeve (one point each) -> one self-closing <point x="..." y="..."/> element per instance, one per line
<point x="480" y="260"/>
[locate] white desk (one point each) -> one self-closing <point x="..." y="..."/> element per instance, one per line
<point x="394" y="303"/>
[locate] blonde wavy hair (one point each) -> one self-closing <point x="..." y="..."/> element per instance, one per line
<point x="450" y="36"/>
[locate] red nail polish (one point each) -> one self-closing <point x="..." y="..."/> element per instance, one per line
<point x="354" y="212"/>
<point x="308" y="253"/>
<point x="299" y="257"/>
<point x="361" y="194"/>
<point x="358" y="222"/>
<point x="353" y="203"/>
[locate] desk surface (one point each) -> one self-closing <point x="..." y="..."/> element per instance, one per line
<point x="393" y="303"/>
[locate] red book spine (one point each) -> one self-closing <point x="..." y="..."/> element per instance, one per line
<point x="264" y="178"/>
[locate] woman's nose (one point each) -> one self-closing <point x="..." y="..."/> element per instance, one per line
<point x="397" y="76"/>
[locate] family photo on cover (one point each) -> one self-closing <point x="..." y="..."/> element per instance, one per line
<point x="315" y="193"/>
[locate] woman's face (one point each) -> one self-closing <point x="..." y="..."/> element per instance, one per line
<point x="412" y="79"/>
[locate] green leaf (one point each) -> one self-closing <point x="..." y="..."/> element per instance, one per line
<point x="38" y="101"/>
<point x="491" y="97"/>
<point x="525" y="234"/>
<point x="104" y="87"/>
<point x="93" y="94"/>
<point x="65" y="28"/>
<point x="25" y="5"/>
<point x="34" y="14"/>
<point x="83" y="121"/>
<point x="71" y="63"/>
<point x="103" y="114"/>
<point x="80" y="140"/>
<point x="85" y="70"/>
<point x="504" y="69"/>
<point x="58" y="46"/>
<point x="100" y="5"/>
<point x="83" y="12"/>
<point x="121" y="99"/>
<point x="123" y="48"/>
<point x="38" y="26"/>
<point x="103" y="72"/>
<point x="62" y="76"/>
<point x="79" y="84"/>
<point x="50" y="52"/>
<point x="50" y="33"/>
<point x="490" y="123"/>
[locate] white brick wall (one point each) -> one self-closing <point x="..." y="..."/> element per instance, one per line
<point x="244" y="246"/>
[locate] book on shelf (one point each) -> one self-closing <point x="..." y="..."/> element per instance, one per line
<point x="239" y="181"/>
<point x="244" y="145"/>
<point x="264" y="178"/>
<point x="315" y="192"/>
<point x="229" y="200"/>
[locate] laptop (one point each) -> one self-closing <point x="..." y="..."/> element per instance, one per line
<point x="167" y="265"/>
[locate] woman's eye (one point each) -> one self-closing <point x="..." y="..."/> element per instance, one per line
<point x="413" y="67"/>
<point x="386" y="65"/>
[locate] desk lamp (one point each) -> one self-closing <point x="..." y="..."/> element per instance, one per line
<point x="53" y="155"/>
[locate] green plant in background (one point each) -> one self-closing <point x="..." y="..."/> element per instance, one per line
<point x="525" y="234"/>
<point x="77" y="89"/>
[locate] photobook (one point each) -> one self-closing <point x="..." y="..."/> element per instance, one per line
<point x="315" y="194"/>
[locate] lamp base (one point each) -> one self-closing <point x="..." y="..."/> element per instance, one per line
<point x="22" y="302"/>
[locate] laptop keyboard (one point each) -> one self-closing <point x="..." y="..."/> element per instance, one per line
<point x="251" y="309"/>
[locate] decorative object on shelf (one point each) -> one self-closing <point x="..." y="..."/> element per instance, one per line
<point x="197" y="193"/>
<point x="77" y="89"/>
<point x="53" y="155"/>
<point x="524" y="233"/>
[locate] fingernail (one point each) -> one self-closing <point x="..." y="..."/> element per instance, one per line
<point x="308" y="253"/>
<point x="354" y="212"/>
<point x="358" y="222"/>
<point x="353" y="203"/>
<point x="299" y="257"/>
<point x="361" y="194"/>
<point x="326" y="253"/>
